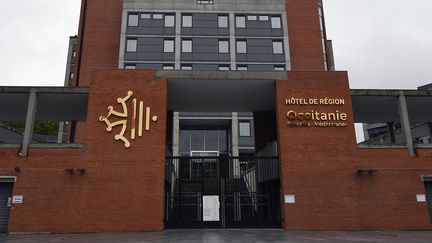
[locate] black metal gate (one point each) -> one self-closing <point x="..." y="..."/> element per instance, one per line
<point x="222" y="192"/>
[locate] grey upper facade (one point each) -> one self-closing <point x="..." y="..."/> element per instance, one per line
<point x="204" y="35"/>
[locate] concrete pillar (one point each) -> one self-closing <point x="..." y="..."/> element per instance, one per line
<point x="29" y="123"/>
<point x="176" y="134"/>
<point x="233" y="49"/>
<point x="235" y="135"/>
<point x="60" y="132"/>
<point x="177" y="41"/>
<point x="235" y="145"/>
<point x="405" y="124"/>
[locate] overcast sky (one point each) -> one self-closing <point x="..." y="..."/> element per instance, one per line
<point x="381" y="43"/>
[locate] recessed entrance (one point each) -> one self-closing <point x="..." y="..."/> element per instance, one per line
<point x="222" y="192"/>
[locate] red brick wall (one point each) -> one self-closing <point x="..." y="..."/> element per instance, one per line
<point x="100" y="37"/>
<point x="304" y="35"/>
<point x="51" y="196"/>
<point x="122" y="189"/>
<point x="318" y="166"/>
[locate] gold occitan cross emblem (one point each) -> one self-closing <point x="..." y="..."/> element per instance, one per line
<point x="124" y="122"/>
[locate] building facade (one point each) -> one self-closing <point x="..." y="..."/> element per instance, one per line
<point x="211" y="114"/>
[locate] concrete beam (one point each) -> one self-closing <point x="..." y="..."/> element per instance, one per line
<point x="225" y="75"/>
<point x="29" y="123"/>
<point x="405" y="124"/>
<point x="390" y="92"/>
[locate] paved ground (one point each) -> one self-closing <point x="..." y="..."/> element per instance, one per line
<point x="216" y="236"/>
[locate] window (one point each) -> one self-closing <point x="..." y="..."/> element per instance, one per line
<point x="277" y="47"/>
<point x="186" y="67"/>
<point x="133" y="20"/>
<point x="168" y="45"/>
<point x="187" y="21"/>
<point x="240" y="21"/>
<point x="264" y="18"/>
<point x="169" y="20"/>
<point x="131" y="45"/>
<point x="223" y="21"/>
<point x="244" y="129"/>
<point x="168" y="67"/>
<point x="224" y="68"/>
<point x="186" y="46"/>
<point x="279" y="68"/>
<point x="275" y="22"/>
<point x="74" y="54"/>
<point x="241" y="46"/>
<point x="146" y="16"/>
<point x="157" y="16"/>
<point x="71" y="75"/>
<point x="130" y="66"/>
<point x="252" y="17"/>
<point x="242" y="68"/>
<point x="223" y="46"/>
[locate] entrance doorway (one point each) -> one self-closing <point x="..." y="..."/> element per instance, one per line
<point x="6" y="186"/>
<point x="222" y="192"/>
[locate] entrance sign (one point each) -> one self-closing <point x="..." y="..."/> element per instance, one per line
<point x="133" y="120"/>
<point x="314" y="117"/>
<point x="211" y="207"/>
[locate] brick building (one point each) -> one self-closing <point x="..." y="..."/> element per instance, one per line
<point x="194" y="114"/>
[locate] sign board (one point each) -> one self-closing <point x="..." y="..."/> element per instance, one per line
<point x="17" y="199"/>
<point x="211" y="207"/>
<point x="421" y="197"/>
<point x="289" y="199"/>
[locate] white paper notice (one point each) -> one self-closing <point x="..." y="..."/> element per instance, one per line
<point x="211" y="208"/>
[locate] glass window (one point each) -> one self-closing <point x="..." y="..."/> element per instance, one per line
<point x="130" y="66"/>
<point x="264" y="18"/>
<point x="197" y="140"/>
<point x="240" y="21"/>
<point x="223" y="21"/>
<point x="168" y="45"/>
<point x="241" y="46"/>
<point x="223" y="46"/>
<point x="168" y="67"/>
<point x="279" y="68"/>
<point x="133" y="20"/>
<point x="275" y="22"/>
<point x="187" y="21"/>
<point x="71" y="75"/>
<point x="186" y="67"/>
<point x="131" y="45"/>
<point x="242" y="68"/>
<point x="277" y="47"/>
<point x="146" y="16"/>
<point x="224" y="68"/>
<point x="187" y="46"/>
<point x="244" y="129"/>
<point x="211" y="140"/>
<point x="252" y="17"/>
<point x="169" y="20"/>
<point x="157" y="16"/>
<point x="185" y="142"/>
<point x="74" y="54"/>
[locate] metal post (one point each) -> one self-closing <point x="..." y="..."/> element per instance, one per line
<point x="405" y="124"/>
<point x="29" y="123"/>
